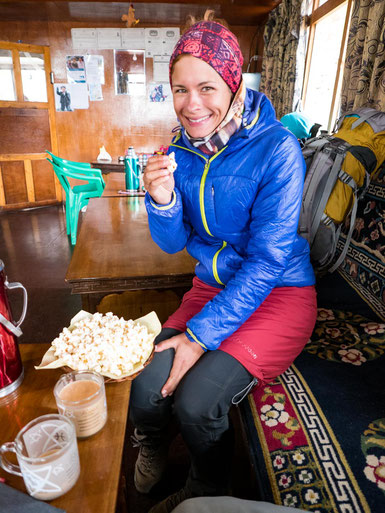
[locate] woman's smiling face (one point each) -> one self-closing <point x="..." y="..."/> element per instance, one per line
<point x="201" y="97"/>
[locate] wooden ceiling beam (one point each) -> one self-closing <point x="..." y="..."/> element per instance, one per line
<point x="236" y="12"/>
<point x="258" y="4"/>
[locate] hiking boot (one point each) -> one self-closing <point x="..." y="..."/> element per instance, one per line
<point x="172" y="501"/>
<point x="151" y="462"/>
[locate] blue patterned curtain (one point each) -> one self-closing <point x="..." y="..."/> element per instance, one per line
<point x="284" y="55"/>
<point x="363" y="81"/>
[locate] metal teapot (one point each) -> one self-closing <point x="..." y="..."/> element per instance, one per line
<point x="11" y="367"/>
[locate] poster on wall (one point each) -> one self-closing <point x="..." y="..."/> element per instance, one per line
<point x="70" y="96"/>
<point x="63" y="97"/>
<point x="76" y="68"/>
<point x="159" y="92"/>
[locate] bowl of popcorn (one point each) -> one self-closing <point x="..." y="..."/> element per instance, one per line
<point x="118" y="349"/>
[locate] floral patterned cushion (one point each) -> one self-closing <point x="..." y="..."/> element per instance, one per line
<point x="346" y="337"/>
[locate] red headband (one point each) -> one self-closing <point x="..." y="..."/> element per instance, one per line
<point x="216" y="45"/>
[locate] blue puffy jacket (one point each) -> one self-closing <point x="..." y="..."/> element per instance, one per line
<point x="237" y="214"/>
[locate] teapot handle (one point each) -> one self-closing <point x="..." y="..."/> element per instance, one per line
<point x="10" y="326"/>
<point x="17" y="285"/>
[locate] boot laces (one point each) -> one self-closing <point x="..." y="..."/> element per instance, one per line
<point x="147" y="451"/>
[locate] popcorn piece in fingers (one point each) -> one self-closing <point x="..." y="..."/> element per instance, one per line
<point x="173" y="165"/>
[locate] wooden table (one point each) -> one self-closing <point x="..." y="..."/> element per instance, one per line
<point x="108" y="167"/>
<point x="115" y="252"/>
<point x="100" y="455"/>
<point x="116" y="182"/>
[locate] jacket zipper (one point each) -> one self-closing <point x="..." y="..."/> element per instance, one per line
<point x="202" y="205"/>
<point x="215" y="268"/>
<point x="202" y="197"/>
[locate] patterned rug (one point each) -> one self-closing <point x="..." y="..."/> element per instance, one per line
<point x="317" y="433"/>
<point x="364" y="264"/>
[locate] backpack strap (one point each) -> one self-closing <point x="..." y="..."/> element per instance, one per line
<point x="334" y="233"/>
<point x="312" y="149"/>
<point x="365" y="186"/>
<point x="348" y="180"/>
<point x="364" y="117"/>
<point x="363" y="114"/>
<point x="331" y="180"/>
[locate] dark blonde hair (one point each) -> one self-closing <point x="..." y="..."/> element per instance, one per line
<point x="209" y="15"/>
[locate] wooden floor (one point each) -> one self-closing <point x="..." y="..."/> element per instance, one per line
<point x="36" y="252"/>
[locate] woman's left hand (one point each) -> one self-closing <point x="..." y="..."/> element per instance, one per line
<point x="186" y="355"/>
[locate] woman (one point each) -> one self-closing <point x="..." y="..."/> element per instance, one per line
<point x="233" y="203"/>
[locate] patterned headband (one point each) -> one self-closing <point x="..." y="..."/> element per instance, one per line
<point x="216" y="45"/>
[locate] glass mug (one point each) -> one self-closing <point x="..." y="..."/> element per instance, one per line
<point x="48" y="457"/>
<point x="81" y="396"/>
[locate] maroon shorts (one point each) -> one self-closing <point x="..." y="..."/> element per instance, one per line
<point x="272" y="337"/>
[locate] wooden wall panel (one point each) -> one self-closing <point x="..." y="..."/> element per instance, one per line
<point x="24" y="131"/>
<point x="117" y="121"/>
<point x="43" y="179"/>
<point x="14" y="182"/>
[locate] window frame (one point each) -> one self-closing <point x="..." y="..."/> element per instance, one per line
<point x="319" y="13"/>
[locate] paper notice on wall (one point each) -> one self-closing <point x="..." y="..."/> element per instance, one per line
<point x="153" y="41"/>
<point x="170" y="36"/>
<point x="79" y="94"/>
<point x="133" y="38"/>
<point x="161" y="68"/>
<point x="109" y="38"/>
<point x="95" y="92"/>
<point x="76" y="68"/>
<point x="84" y="38"/>
<point x="94" y="69"/>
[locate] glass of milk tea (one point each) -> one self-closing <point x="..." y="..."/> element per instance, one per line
<point x="81" y="396"/>
<point x="47" y="454"/>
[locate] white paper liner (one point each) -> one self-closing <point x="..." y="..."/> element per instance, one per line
<point x="151" y="321"/>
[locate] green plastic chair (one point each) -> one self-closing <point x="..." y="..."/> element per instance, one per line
<point x="77" y="196"/>
<point x="59" y="161"/>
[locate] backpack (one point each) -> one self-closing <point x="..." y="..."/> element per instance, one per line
<point x="338" y="170"/>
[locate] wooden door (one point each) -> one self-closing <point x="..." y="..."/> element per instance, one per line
<point x="27" y="127"/>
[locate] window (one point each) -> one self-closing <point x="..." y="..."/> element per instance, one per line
<point x="325" y="58"/>
<point x="22" y="73"/>
<point x="33" y="77"/>
<point x="7" y="78"/>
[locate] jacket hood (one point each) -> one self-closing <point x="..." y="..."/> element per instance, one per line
<point x="258" y="115"/>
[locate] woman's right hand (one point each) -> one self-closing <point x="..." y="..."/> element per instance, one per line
<point x="158" y="180"/>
